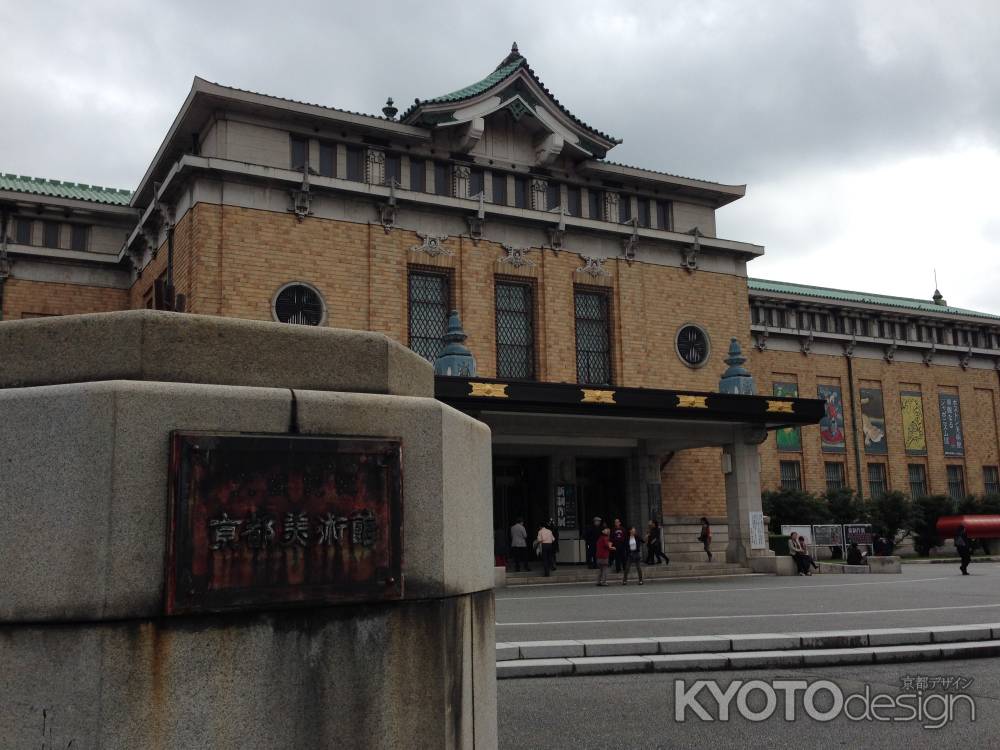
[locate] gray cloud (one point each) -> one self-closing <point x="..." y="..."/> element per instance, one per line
<point x="720" y="89"/>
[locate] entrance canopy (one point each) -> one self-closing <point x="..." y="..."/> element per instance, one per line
<point x="674" y="420"/>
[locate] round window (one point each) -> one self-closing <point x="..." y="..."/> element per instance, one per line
<point x="299" y="303"/>
<point x="692" y="345"/>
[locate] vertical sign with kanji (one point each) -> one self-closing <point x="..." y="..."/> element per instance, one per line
<point x="951" y="424"/>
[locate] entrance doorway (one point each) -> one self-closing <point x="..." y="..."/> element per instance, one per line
<point x="602" y="490"/>
<point x="519" y="491"/>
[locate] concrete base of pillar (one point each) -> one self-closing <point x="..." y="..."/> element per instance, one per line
<point x="327" y="677"/>
<point x="778" y="565"/>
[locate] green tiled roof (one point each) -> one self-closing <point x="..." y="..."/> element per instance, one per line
<point x="59" y="189"/>
<point x="843" y="295"/>
<point x="507" y="67"/>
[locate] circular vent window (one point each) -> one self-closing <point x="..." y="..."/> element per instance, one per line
<point x="299" y="303"/>
<point x="692" y="345"/>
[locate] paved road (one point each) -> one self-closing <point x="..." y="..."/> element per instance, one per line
<point x="921" y="595"/>
<point x="637" y="712"/>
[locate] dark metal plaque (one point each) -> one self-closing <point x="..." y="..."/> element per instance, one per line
<point x="274" y="520"/>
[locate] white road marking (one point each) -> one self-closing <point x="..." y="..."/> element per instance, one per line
<point x="745" y="617"/>
<point x="647" y="592"/>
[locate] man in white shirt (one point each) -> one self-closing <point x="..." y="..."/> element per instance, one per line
<point x="546" y="541"/>
<point x="519" y="545"/>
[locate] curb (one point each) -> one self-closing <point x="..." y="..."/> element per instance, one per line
<point x="751" y="651"/>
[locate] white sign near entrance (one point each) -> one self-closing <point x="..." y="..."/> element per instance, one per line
<point x="758" y="537"/>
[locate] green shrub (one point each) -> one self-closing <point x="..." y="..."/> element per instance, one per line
<point x="778" y="543"/>
<point x="793" y="507"/>
<point x="926" y="512"/>
<point x="845" y="506"/>
<point x="891" y="516"/>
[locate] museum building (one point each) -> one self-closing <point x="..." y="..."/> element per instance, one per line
<point x="596" y="298"/>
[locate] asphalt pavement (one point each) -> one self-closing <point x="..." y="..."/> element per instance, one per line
<point x="921" y="595"/>
<point x="638" y="711"/>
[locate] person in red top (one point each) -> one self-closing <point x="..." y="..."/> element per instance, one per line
<point x="604" y="550"/>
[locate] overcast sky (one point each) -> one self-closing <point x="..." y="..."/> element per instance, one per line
<point x="868" y="133"/>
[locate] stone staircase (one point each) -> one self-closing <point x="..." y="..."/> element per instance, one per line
<point x="577" y="573"/>
<point x="681" y="545"/>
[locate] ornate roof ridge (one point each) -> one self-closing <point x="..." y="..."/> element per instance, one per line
<point x="507" y="68"/>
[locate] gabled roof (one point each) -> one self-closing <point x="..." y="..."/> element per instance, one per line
<point x="58" y="189"/>
<point x="509" y="67"/>
<point x="843" y="295"/>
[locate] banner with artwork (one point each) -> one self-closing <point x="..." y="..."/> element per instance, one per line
<point x="789" y="438"/>
<point x="831" y="426"/>
<point x="873" y="420"/>
<point x="951" y="425"/>
<point x="914" y="438"/>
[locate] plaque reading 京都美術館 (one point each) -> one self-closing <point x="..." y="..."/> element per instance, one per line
<point x="276" y="520"/>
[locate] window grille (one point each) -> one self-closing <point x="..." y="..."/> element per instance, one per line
<point x="299" y="304"/>
<point x="430" y="300"/>
<point x="593" y="344"/>
<point x="918" y="480"/>
<point x="877" y="486"/>
<point x="791" y="475"/>
<point x="515" y="331"/>
<point x="956" y="482"/>
<point x="991" y="480"/>
<point x="835" y="476"/>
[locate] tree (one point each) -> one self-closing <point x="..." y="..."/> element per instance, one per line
<point x="891" y="515"/>
<point x="845" y="506"/>
<point x="793" y="507"/>
<point x="926" y="512"/>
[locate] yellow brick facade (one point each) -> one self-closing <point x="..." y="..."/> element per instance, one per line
<point x="29" y="299"/>
<point x="978" y="391"/>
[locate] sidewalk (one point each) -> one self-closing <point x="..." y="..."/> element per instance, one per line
<point x="735" y="652"/>
<point x="580" y="573"/>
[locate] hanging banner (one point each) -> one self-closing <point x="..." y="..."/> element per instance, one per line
<point x="951" y="424"/>
<point x="788" y="438"/>
<point x="912" y="408"/>
<point x="831" y="426"/>
<point x="873" y="420"/>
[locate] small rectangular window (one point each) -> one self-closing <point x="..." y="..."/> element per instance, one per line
<point x="573" y="204"/>
<point x="515" y="331"/>
<point x="328" y="160"/>
<point x="418" y="175"/>
<point x="441" y="186"/>
<point x="624" y="208"/>
<point x="593" y="337"/>
<point x="595" y="209"/>
<point x="662" y="214"/>
<point x="520" y="192"/>
<point x="791" y="475"/>
<point x="834" y="476"/>
<point x="50" y="234"/>
<point x="553" y="196"/>
<point x="644" y="212"/>
<point x="300" y="153"/>
<point x="956" y="482"/>
<point x="991" y="480"/>
<point x="918" y="480"/>
<point x="394" y="169"/>
<point x="78" y="237"/>
<point x="876" y="481"/>
<point x="500" y="189"/>
<point x="477" y="182"/>
<point x="23" y="232"/>
<point x="355" y="164"/>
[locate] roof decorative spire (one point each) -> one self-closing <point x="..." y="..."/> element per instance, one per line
<point x="938" y="297"/>
<point x="388" y="110"/>
<point x="514" y="56"/>
<point x="736" y="379"/>
<point x="455" y="358"/>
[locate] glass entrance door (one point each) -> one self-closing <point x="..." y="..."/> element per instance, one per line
<point x="519" y="491"/>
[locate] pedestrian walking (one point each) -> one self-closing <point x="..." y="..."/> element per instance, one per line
<point x="590" y="538"/>
<point x="618" y="535"/>
<point x="964" y="547"/>
<point x="555" y="544"/>
<point x="654" y="544"/>
<point x="603" y="554"/>
<point x="545" y="541"/>
<point x="519" y="545"/>
<point x="705" y="537"/>
<point x="633" y="555"/>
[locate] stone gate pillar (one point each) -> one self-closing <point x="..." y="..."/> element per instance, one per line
<point x="741" y="466"/>
<point x="228" y="534"/>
